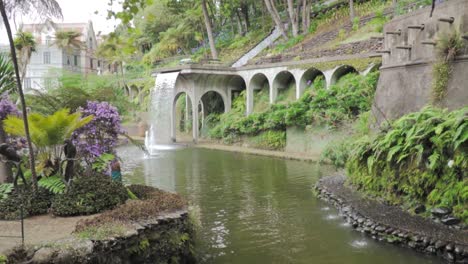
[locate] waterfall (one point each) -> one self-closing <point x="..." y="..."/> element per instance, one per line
<point x="159" y="134"/>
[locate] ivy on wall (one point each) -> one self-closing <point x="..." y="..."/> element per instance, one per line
<point x="448" y="47"/>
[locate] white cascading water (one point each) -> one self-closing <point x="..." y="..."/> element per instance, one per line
<point x="158" y="137"/>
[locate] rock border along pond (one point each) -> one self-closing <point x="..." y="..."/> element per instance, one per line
<point x="393" y="225"/>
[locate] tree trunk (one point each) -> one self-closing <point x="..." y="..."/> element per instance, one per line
<point x="351" y="10"/>
<point x="239" y="24"/>
<point x="245" y="12"/>
<point x="275" y="16"/>
<point x="32" y="161"/>
<point x="305" y="16"/>
<point x="293" y="19"/>
<point x="209" y="31"/>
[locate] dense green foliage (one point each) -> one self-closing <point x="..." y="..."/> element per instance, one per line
<point x="74" y="90"/>
<point x="422" y="159"/>
<point x="33" y="204"/>
<point x="337" y="152"/>
<point x="89" y="195"/>
<point x="346" y="100"/>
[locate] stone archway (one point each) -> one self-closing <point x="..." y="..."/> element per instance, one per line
<point x="182" y="115"/>
<point x="340" y="72"/>
<point x="308" y="78"/>
<point x="284" y="85"/>
<point x="257" y="92"/>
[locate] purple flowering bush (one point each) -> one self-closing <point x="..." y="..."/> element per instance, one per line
<point x="7" y="107"/>
<point x="101" y="134"/>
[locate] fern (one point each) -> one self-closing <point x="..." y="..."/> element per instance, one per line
<point x="5" y="190"/>
<point x="53" y="184"/>
<point x="422" y="158"/>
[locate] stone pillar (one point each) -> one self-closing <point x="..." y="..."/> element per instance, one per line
<point x="249" y="100"/>
<point x="195" y="121"/>
<point x="299" y="91"/>
<point x="328" y="77"/>
<point x="173" y="120"/>
<point x="228" y="102"/>
<point x="273" y="92"/>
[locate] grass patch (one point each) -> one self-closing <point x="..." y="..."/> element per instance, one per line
<point x="102" y="232"/>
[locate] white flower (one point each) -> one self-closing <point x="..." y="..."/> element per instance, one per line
<point x="450" y="163"/>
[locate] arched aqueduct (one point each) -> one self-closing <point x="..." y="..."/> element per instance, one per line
<point x="196" y="81"/>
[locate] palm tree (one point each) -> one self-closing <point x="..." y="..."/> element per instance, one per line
<point x="44" y="8"/>
<point x="68" y="41"/>
<point x="115" y="52"/>
<point x="25" y="45"/>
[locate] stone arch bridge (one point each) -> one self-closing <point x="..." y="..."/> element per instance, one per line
<point x="197" y="80"/>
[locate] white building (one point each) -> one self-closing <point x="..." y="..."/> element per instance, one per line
<point x="48" y="61"/>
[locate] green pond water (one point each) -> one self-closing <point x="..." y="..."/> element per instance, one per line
<point x="255" y="209"/>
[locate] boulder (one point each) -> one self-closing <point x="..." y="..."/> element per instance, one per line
<point x="441" y="211"/>
<point x="420" y="209"/>
<point x="450" y="221"/>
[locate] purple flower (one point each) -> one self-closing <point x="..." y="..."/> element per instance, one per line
<point x="101" y="134"/>
<point x="7" y="107"/>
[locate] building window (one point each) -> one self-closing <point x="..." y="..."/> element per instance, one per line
<point x="48" y="40"/>
<point x="99" y="64"/>
<point x="68" y="60"/>
<point x="91" y="63"/>
<point x="27" y="83"/>
<point x="46" y="57"/>
<point x="90" y="43"/>
<point x="75" y="60"/>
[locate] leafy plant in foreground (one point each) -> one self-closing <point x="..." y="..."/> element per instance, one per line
<point x="421" y="159"/>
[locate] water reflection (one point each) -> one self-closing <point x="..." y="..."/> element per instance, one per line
<point x="256" y="209"/>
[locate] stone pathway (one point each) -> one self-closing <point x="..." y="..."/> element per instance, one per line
<point x="37" y="229"/>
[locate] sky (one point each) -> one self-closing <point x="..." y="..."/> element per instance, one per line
<point x="76" y="11"/>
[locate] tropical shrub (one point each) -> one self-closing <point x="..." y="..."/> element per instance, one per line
<point x="33" y="204"/>
<point x="336" y="153"/>
<point x="422" y="159"/>
<point x="274" y="140"/>
<point x="101" y="134"/>
<point x="89" y="195"/>
<point x="74" y="90"/>
<point x="48" y="134"/>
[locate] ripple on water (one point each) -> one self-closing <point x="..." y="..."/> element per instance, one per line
<point x="360" y="243"/>
<point x="332" y="217"/>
